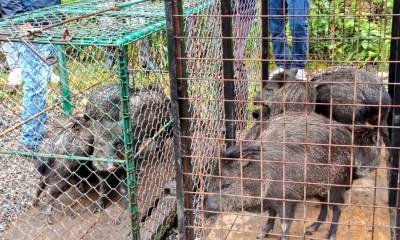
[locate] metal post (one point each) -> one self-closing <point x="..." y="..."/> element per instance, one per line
<point x="228" y="73"/>
<point x="129" y="141"/>
<point x="394" y="120"/>
<point x="264" y="42"/>
<point x="180" y="110"/>
<point x="65" y="92"/>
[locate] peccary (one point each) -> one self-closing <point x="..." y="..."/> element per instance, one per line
<point x="60" y="174"/>
<point x="353" y="86"/>
<point x="149" y="108"/>
<point x="150" y="111"/>
<point x="285" y="93"/>
<point x="286" y="170"/>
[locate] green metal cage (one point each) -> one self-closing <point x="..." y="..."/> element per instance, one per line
<point x="83" y="34"/>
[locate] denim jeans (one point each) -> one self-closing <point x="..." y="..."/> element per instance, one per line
<point x="297" y="12"/>
<point x="35" y="76"/>
<point x="9" y="49"/>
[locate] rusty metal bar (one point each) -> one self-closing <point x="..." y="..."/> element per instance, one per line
<point x="394" y="120"/>
<point x="264" y="42"/>
<point x="228" y="72"/>
<point x="180" y="110"/>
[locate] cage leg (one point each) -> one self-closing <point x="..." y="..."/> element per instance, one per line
<point x="323" y="213"/>
<point x="129" y="141"/>
<point x="65" y="91"/>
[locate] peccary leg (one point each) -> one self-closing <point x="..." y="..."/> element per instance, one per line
<point x="39" y="190"/>
<point x="286" y="218"/>
<point x="55" y="191"/>
<point x="101" y="202"/>
<point x="269" y="225"/>
<point x="123" y="190"/>
<point x="336" y="197"/>
<point x="335" y="219"/>
<point x="323" y="213"/>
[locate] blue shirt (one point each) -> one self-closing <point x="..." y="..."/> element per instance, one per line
<point x="12" y="7"/>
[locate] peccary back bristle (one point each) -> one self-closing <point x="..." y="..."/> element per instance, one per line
<point x="104" y="102"/>
<point x="338" y="86"/>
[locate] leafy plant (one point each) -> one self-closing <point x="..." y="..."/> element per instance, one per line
<point x="350" y="31"/>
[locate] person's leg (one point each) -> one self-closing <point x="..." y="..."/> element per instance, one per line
<point x="298" y="20"/>
<point x="11" y="53"/>
<point x="280" y="47"/>
<point x="244" y="14"/>
<point x="36" y="75"/>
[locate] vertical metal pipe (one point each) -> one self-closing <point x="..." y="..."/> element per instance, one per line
<point x="228" y="72"/>
<point x="129" y="141"/>
<point x="65" y="92"/>
<point x="180" y="110"/>
<point x="394" y="120"/>
<point x="264" y="42"/>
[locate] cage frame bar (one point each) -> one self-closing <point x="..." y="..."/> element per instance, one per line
<point x="228" y="73"/>
<point x="394" y="120"/>
<point x="264" y="42"/>
<point x="129" y="140"/>
<point x="65" y="91"/>
<point x="181" y="114"/>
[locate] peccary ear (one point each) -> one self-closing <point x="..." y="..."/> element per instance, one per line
<point x="229" y="155"/>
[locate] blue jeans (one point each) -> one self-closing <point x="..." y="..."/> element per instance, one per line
<point x="297" y="12"/>
<point x="35" y="76"/>
<point x="11" y="53"/>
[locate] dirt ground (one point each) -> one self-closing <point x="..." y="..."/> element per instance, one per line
<point x="365" y="216"/>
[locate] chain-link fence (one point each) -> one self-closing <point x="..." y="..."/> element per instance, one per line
<point x="85" y="126"/>
<point x="315" y="77"/>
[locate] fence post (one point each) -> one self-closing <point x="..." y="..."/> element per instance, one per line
<point x="264" y="42"/>
<point x="129" y="141"/>
<point x="65" y="92"/>
<point x="394" y="120"/>
<point x="228" y="72"/>
<point x="180" y="111"/>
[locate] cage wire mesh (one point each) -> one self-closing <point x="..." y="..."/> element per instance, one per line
<point x="72" y="144"/>
<point x="330" y="147"/>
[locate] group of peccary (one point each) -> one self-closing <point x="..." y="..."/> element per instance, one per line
<point x="317" y="137"/>
<point x="98" y="133"/>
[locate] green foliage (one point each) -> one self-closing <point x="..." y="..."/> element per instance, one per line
<point x="69" y="1"/>
<point x="345" y="31"/>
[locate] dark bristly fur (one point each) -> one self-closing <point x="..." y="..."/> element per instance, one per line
<point x="337" y="87"/>
<point x="59" y="174"/>
<point x="294" y="128"/>
<point x="285" y="93"/>
<point x="149" y="107"/>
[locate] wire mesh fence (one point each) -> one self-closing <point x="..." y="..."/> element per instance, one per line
<point x="85" y="129"/>
<point x="314" y="154"/>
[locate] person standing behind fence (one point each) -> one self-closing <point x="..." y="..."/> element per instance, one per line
<point x="35" y="73"/>
<point x="287" y="57"/>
